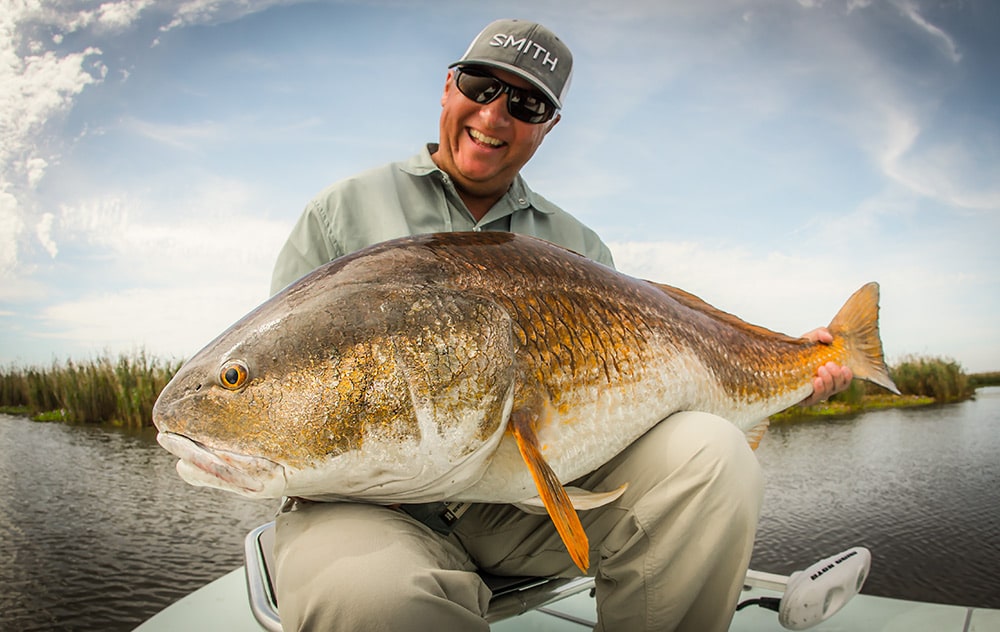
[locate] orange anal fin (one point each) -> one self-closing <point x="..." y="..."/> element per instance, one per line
<point x="756" y="434"/>
<point x="550" y="490"/>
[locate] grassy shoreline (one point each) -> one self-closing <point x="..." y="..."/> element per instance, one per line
<point x="118" y="392"/>
<point x="121" y="391"/>
<point x="834" y="409"/>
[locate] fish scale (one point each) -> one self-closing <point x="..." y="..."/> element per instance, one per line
<point x="484" y="366"/>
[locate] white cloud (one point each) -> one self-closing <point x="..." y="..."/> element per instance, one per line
<point x="37" y="88"/>
<point x="944" y="41"/>
<point x="44" y="233"/>
<point x="215" y="11"/>
<point x="185" y="137"/>
<point x="182" y="282"/>
<point x="167" y="322"/>
<point x="42" y="85"/>
<point x="942" y="166"/>
<point x="70" y="17"/>
<point x="121" y="15"/>
<point x="921" y="300"/>
<point x="35" y="169"/>
<point x="775" y="290"/>
<point x="156" y="237"/>
<point x="11" y="227"/>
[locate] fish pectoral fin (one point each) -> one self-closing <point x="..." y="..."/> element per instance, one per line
<point x="553" y="495"/>
<point x="756" y="434"/>
<point x="581" y="499"/>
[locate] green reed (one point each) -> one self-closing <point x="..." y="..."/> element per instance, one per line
<point x="991" y="378"/>
<point x="118" y="391"/>
<point x="940" y="378"/>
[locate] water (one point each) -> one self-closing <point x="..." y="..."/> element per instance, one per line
<point x="919" y="487"/>
<point x="97" y="532"/>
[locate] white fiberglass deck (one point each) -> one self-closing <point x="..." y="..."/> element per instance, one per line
<point x="223" y="605"/>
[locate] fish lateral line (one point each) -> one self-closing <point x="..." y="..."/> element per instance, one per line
<point x="551" y="491"/>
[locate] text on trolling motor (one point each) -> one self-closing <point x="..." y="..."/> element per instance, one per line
<point x="833" y="564"/>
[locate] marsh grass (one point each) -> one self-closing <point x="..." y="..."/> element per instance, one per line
<point x="117" y="391"/>
<point x="921" y="381"/>
<point x="940" y="378"/>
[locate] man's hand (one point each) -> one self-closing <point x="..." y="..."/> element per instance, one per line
<point x="831" y="378"/>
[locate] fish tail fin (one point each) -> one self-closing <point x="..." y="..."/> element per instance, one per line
<point x="857" y="324"/>
<point x="554" y="497"/>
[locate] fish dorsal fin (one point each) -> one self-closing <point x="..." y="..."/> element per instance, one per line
<point x="756" y="434"/>
<point x="581" y="499"/>
<point x="691" y="301"/>
<point x="551" y="491"/>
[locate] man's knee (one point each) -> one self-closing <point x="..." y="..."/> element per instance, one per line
<point x="713" y="441"/>
<point x="720" y="454"/>
<point x="352" y="567"/>
<point x="696" y="450"/>
<point x="352" y="595"/>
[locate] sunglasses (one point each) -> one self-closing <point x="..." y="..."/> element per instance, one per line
<point x="523" y="104"/>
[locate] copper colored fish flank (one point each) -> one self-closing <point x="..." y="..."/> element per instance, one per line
<point x="484" y="367"/>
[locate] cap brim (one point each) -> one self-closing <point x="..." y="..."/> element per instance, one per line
<point x="523" y="74"/>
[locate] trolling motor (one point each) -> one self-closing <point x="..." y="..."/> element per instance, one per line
<point x="815" y="594"/>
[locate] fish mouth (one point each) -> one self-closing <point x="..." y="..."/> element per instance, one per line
<point x="203" y="466"/>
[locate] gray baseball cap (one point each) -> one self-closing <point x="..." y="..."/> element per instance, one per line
<point x="527" y="49"/>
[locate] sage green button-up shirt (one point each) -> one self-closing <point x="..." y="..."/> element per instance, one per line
<point x="410" y="198"/>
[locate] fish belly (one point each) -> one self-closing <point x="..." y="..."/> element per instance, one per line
<point x="602" y="421"/>
<point x="426" y="469"/>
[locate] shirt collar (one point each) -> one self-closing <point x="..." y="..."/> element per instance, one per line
<point x="423" y="165"/>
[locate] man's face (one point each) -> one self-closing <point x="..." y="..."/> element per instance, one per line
<point x="482" y="146"/>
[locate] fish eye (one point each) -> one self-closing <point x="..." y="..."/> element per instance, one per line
<point x="233" y="374"/>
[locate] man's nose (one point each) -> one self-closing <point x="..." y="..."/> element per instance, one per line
<point x="495" y="112"/>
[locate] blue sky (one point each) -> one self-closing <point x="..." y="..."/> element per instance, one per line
<point x="770" y="156"/>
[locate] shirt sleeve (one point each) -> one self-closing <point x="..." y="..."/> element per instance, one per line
<point x="599" y="251"/>
<point x="307" y="247"/>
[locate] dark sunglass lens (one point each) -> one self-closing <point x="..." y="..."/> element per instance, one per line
<point x="477" y="87"/>
<point x="524" y="105"/>
<point x="528" y="107"/>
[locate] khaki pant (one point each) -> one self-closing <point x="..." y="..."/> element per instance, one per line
<point x="670" y="554"/>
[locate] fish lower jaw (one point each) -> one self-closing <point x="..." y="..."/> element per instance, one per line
<point x="251" y="476"/>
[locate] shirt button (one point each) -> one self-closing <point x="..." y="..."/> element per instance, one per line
<point x="523" y="202"/>
<point x="445" y="178"/>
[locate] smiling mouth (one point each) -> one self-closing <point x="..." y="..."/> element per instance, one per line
<point x="482" y="139"/>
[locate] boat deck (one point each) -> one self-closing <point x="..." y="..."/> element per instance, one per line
<point x="223" y="605"/>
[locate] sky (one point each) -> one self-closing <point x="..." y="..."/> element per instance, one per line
<point x="770" y="156"/>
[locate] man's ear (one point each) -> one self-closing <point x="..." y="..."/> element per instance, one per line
<point x="449" y="84"/>
<point x="552" y="123"/>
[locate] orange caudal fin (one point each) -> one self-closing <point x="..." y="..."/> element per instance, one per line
<point x="554" y="497"/>
<point x="857" y="323"/>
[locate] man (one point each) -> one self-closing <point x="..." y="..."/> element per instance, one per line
<point x="671" y="553"/>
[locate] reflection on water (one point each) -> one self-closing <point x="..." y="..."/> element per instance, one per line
<point x="919" y="487"/>
<point x="97" y="531"/>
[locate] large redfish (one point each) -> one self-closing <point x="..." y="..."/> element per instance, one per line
<point x="484" y="367"/>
